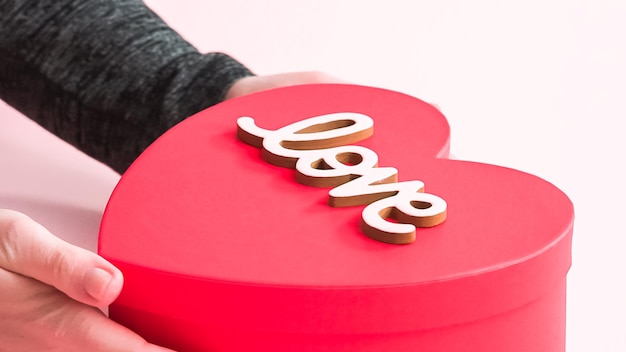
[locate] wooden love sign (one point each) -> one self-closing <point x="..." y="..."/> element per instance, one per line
<point x="317" y="148"/>
<point x="222" y="250"/>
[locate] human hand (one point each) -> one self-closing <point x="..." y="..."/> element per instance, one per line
<point x="50" y="291"/>
<point x="253" y="84"/>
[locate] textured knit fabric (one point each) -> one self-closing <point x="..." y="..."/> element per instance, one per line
<point x="108" y="76"/>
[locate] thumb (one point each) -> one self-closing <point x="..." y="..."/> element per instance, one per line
<point x="89" y="330"/>
<point x="27" y="248"/>
<point x="38" y="317"/>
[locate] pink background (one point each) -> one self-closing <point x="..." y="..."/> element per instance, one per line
<point x="536" y="85"/>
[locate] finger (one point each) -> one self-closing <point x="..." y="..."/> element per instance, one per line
<point x="27" y="248"/>
<point x="295" y="78"/>
<point x="90" y="330"/>
<point x="254" y="84"/>
<point x="35" y="317"/>
<point x="435" y="105"/>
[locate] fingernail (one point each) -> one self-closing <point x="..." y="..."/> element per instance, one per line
<point x="97" y="282"/>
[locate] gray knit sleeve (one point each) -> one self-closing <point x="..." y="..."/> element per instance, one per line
<point x="108" y="76"/>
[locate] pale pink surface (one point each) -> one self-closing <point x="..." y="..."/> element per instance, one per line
<point x="51" y="181"/>
<point x="535" y="85"/>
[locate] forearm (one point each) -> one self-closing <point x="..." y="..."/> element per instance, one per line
<point x="107" y="76"/>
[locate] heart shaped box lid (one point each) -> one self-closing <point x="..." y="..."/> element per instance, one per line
<point x="206" y="230"/>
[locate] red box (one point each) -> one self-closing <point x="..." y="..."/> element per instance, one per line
<point x="224" y="251"/>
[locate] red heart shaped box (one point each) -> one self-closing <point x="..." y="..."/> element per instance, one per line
<point x="222" y="251"/>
